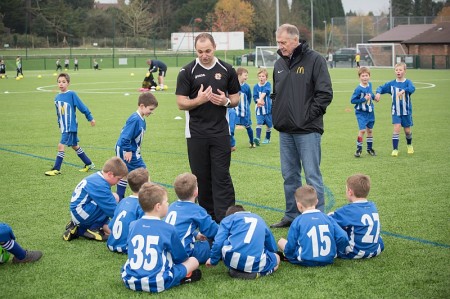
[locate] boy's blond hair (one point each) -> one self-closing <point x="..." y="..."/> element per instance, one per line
<point x="116" y="166"/>
<point x="359" y="184"/>
<point x="241" y="70"/>
<point x="263" y="71"/>
<point x="147" y="99"/>
<point x="363" y="69"/>
<point x="402" y="64"/>
<point x="306" y="195"/>
<point x="185" y="185"/>
<point x="151" y="194"/>
<point x="137" y="177"/>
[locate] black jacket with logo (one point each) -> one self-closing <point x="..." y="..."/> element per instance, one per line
<point x="301" y="91"/>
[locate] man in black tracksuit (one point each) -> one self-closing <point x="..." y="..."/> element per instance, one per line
<point x="301" y="93"/>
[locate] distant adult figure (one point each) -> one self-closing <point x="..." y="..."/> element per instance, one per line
<point x="75" y="64"/>
<point x="301" y="93"/>
<point x="206" y="87"/>
<point x="330" y="59"/>
<point x="160" y="67"/>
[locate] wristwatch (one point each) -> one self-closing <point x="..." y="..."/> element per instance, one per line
<point x="228" y="103"/>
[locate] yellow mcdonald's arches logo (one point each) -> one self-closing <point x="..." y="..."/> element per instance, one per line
<point x="300" y="70"/>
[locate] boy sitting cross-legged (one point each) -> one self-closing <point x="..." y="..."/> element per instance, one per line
<point x="195" y="227"/>
<point x="127" y="211"/>
<point x="156" y="260"/>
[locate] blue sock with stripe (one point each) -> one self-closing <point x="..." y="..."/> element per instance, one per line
<point x="14" y="248"/>
<point x="121" y="188"/>
<point x="250" y="134"/>
<point x="81" y="154"/>
<point x="395" y="141"/>
<point x="59" y="160"/>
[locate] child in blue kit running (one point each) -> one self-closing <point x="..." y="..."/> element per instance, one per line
<point x="313" y="238"/>
<point x="401" y="90"/>
<point x="93" y="203"/>
<point x="360" y="219"/>
<point x="194" y="225"/>
<point x="128" y="146"/>
<point x="243" y="112"/>
<point x="156" y="260"/>
<point x="127" y="211"/>
<point x="245" y="244"/>
<point x="362" y="98"/>
<point x="261" y="95"/>
<point x="67" y="102"/>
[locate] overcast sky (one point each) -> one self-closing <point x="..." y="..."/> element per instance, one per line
<point x="364" y="6"/>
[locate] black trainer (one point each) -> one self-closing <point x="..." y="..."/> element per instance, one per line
<point x="371" y="152"/>
<point x="97" y="235"/>
<point x="194" y="276"/>
<point x="242" y="275"/>
<point x="71" y="231"/>
<point x="358" y="153"/>
<point x="31" y="256"/>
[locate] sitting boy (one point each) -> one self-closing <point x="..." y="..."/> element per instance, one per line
<point x="313" y="237"/>
<point x="360" y="220"/>
<point x="156" y="260"/>
<point x="127" y="211"/>
<point x="191" y="221"/>
<point x="93" y="203"/>
<point x="245" y="244"/>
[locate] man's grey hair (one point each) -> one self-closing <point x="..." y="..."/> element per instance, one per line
<point x="291" y="30"/>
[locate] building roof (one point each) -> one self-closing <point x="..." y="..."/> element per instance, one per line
<point x="401" y="33"/>
<point x="439" y="34"/>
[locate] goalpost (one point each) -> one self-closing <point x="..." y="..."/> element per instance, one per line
<point x="265" y="56"/>
<point x="383" y="55"/>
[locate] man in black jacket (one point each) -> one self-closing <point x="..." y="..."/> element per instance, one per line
<point x="301" y="93"/>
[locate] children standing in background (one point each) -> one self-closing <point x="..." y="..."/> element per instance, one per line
<point x="93" y="203"/>
<point x="66" y="64"/>
<point x="194" y="226"/>
<point x="127" y="211"/>
<point x="58" y="65"/>
<point x="401" y="90"/>
<point x="19" y="66"/>
<point x="96" y="66"/>
<point x="313" y="238"/>
<point x="232" y="122"/>
<point x="75" y="64"/>
<point x="261" y="95"/>
<point x="156" y="260"/>
<point x="243" y="108"/>
<point x="360" y="219"/>
<point x="357" y="59"/>
<point x="128" y="146"/>
<point x="2" y="68"/>
<point x="245" y="244"/>
<point x="67" y="102"/>
<point x="362" y="98"/>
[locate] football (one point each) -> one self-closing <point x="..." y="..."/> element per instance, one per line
<point x="165" y="87"/>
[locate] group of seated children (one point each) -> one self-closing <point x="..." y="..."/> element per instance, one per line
<point x="166" y="244"/>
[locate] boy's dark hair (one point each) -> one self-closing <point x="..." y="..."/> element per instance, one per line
<point x="359" y="184"/>
<point x="136" y="178"/>
<point x="306" y="195"/>
<point x="151" y="194"/>
<point x="185" y="185"/>
<point x="116" y="166"/>
<point x="147" y="99"/>
<point x="234" y="209"/>
<point x="65" y="75"/>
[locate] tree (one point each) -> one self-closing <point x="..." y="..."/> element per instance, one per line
<point x="233" y="15"/>
<point x="137" y="18"/>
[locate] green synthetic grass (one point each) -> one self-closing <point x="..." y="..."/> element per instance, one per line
<point x="411" y="192"/>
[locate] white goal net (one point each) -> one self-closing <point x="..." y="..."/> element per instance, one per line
<point x="265" y="56"/>
<point x="381" y="54"/>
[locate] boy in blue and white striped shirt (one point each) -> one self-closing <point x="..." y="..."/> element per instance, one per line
<point x="401" y="90"/>
<point x="261" y="95"/>
<point x="365" y="115"/>
<point x="67" y="102"/>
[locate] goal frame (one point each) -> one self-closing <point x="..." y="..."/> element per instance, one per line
<point x="396" y="50"/>
<point x="262" y="59"/>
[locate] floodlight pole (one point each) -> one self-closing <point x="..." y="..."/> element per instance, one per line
<point x="312" y="25"/>
<point x="325" y="34"/>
